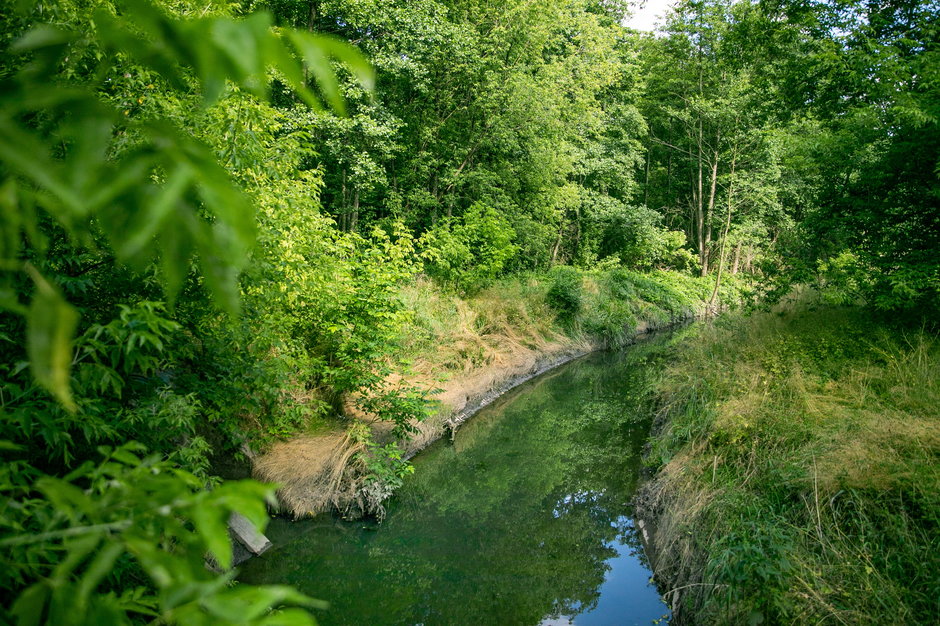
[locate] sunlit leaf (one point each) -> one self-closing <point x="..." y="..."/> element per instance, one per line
<point x="50" y="327"/>
<point x="211" y="526"/>
<point x="248" y="603"/>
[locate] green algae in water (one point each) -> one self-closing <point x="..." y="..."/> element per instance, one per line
<point x="523" y="519"/>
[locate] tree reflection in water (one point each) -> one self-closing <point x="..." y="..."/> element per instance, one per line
<point x="523" y="519"/>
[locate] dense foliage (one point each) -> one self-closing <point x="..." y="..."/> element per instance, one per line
<point x="210" y="209"/>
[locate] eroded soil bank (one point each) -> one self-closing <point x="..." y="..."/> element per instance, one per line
<point x="316" y="472"/>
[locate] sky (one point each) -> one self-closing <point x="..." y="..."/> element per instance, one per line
<point x="644" y="18"/>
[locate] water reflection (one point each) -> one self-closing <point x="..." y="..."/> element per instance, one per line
<point x="523" y="519"/>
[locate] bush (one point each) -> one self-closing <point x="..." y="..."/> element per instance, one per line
<point x="471" y="252"/>
<point x="566" y="293"/>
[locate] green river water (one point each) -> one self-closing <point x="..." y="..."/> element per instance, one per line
<point x="524" y="518"/>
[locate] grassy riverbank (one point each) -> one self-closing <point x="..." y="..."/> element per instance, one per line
<point x="455" y="332"/>
<point x="798" y="477"/>
<point x="458" y="349"/>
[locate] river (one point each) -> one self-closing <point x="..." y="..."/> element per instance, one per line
<point x="524" y="518"/>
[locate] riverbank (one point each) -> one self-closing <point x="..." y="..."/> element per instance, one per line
<point x="797" y="478"/>
<point x="524" y="518"/>
<point x="463" y="351"/>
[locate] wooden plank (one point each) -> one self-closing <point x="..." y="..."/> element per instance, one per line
<point x="247" y="535"/>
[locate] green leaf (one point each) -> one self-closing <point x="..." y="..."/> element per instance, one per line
<point x="318" y="63"/>
<point x="159" y="210"/>
<point x="66" y="497"/>
<point x="352" y="58"/>
<point x="77" y="549"/>
<point x="28" y="608"/>
<point x="247" y="603"/>
<point x="23" y="152"/>
<point x="99" y="568"/>
<point x="126" y="457"/>
<point x="43" y="36"/>
<point x="210" y="522"/>
<point x="50" y="326"/>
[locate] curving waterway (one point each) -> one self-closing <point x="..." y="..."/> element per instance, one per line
<point x="524" y="518"/>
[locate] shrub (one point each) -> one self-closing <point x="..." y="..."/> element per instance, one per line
<point x="472" y="251"/>
<point x="566" y="293"/>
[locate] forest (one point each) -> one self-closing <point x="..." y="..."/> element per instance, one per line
<point x="219" y="220"/>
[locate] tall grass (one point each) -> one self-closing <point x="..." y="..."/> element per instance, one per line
<point x="460" y="332"/>
<point x="798" y="471"/>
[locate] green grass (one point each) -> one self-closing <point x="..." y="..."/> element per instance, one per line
<point x="457" y="332"/>
<point x="799" y="471"/>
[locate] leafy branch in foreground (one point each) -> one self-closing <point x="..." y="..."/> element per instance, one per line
<point x="91" y="522"/>
<point x="162" y="200"/>
<point x="87" y="181"/>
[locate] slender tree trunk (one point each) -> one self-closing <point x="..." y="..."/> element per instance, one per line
<point x="646" y="184"/>
<point x="707" y="238"/>
<point x="737" y="259"/>
<point x="576" y="248"/>
<point x="313" y="14"/>
<point x="354" y="216"/>
<point x="557" y="245"/>
<point x="700" y="207"/>
<point x="724" y="235"/>
<point x="344" y="210"/>
<point x="700" y="216"/>
<point x="669" y="177"/>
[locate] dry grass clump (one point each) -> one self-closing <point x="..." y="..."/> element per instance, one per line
<point x="799" y="472"/>
<point x="449" y="334"/>
<point x="312" y="471"/>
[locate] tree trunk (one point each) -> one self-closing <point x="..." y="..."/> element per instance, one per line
<point x="669" y="177"/>
<point x="707" y="238"/>
<point x="354" y="216"/>
<point x="724" y="236"/>
<point x="576" y="248"/>
<point x="313" y="14"/>
<point x="700" y="207"/>
<point x="344" y="209"/>
<point x="557" y="245"/>
<point x="737" y="259"/>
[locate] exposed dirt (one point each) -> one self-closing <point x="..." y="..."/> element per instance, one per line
<point x="319" y="473"/>
<point x="316" y="472"/>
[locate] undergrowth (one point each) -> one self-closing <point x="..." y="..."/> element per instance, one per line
<point x="461" y="332"/>
<point x="798" y="471"/>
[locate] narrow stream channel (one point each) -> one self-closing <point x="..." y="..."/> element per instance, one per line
<point x="524" y="518"/>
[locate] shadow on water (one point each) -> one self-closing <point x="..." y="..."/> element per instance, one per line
<point x="523" y="519"/>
